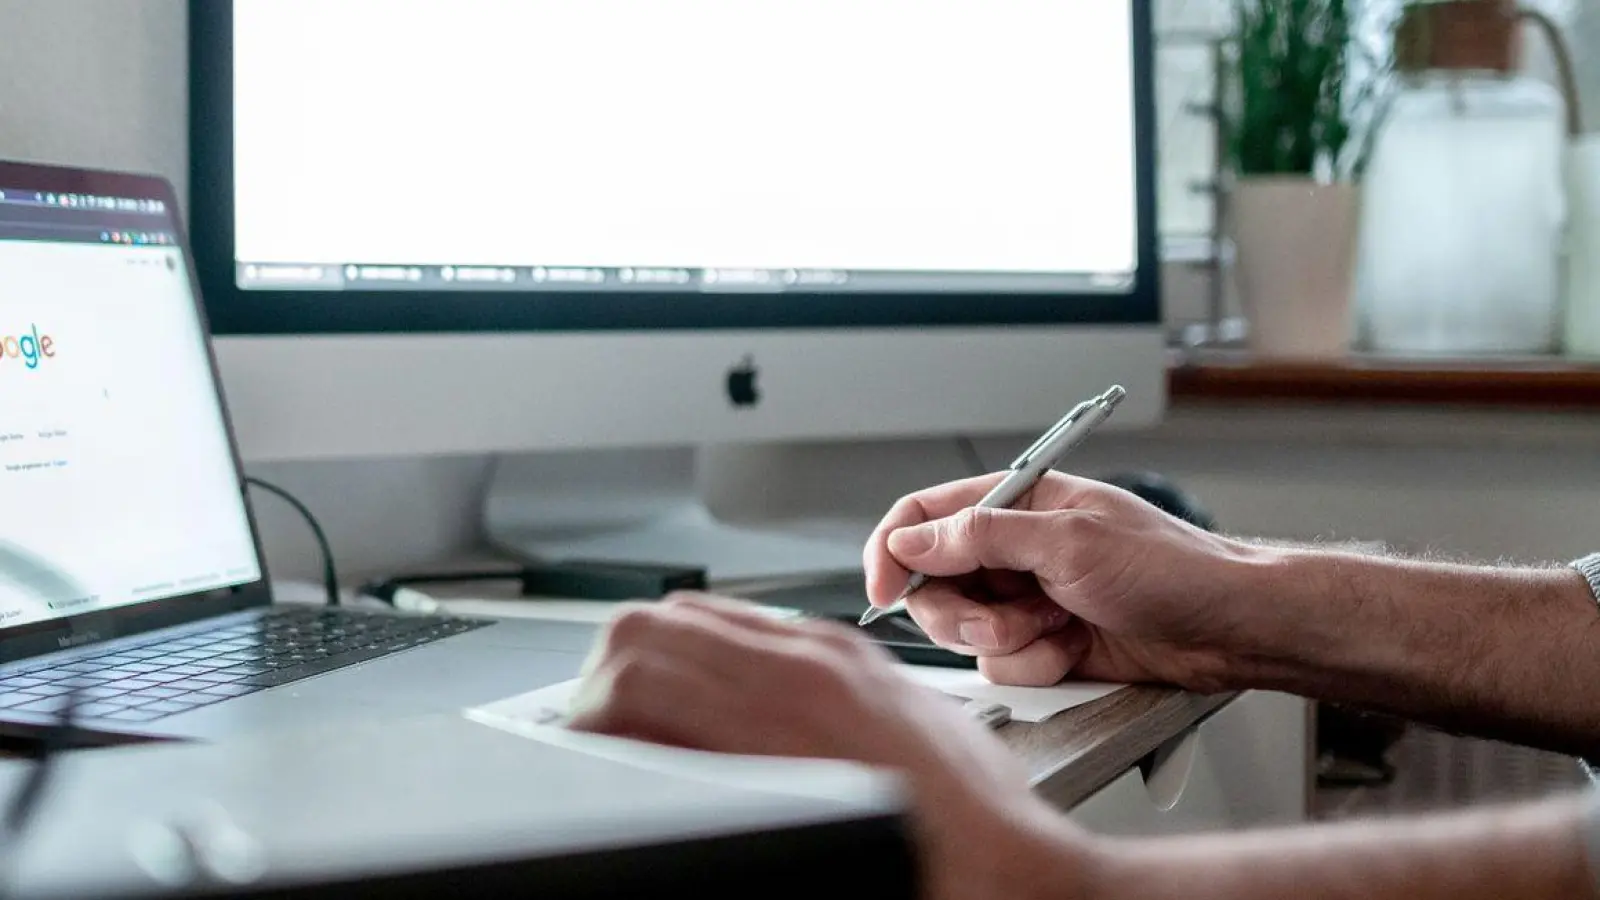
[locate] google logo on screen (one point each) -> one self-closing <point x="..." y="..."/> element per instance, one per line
<point x="29" y="348"/>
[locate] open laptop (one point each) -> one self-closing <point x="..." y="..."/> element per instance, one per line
<point x="131" y="571"/>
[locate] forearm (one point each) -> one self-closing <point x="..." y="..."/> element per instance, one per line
<point x="1528" y="852"/>
<point x="1509" y="653"/>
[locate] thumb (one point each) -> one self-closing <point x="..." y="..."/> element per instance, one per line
<point x="975" y="538"/>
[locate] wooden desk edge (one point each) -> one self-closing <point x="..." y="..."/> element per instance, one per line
<point x="1076" y="753"/>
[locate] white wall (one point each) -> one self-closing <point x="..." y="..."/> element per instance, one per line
<point x="102" y="82"/>
<point x="1488" y="487"/>
<point x="105" y="83"/>
<point x="92" y="83"/>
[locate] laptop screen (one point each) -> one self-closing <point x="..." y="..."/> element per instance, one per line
<point x="116" y="469"/>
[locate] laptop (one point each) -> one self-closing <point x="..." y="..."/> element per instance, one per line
<point x="131" y="569"/>
<point x="293" y="815"/>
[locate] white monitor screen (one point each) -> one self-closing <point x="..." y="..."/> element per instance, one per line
<point x="117" y="477"/>
<point x="710" y="145"/>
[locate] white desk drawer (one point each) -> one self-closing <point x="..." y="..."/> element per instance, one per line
<point x="1245" y="766"/>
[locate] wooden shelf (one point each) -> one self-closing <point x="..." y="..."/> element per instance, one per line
<point x="1513" y="383"/>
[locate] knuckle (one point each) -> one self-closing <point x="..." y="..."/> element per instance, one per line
<point x="934" y="620"/>
<point x="905" y="511"/>
<point x="1089" y="542"/>
<point x="630" y="676"/>
<point x="841" y="640"/>
<point x="832" y="638"/>
<point x="902" y="507"/>
<point x="973" y="524"/>
<point x="632" y="626"/>
<point x="1078" y="529"/>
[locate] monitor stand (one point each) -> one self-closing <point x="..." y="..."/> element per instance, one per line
<point x="640" y="506"/>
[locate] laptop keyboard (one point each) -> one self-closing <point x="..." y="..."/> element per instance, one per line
<point x="164" y="677"/>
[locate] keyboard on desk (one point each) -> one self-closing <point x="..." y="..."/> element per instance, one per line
<point x="144" y="682"/>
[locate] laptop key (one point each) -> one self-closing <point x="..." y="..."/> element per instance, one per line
<point x="121" y="672"/>
<point x="100" y="693"/>
<point x="164" y="677"/>
<point x="138" y="714"/>
<point x="20" y="681"/>
<point x="96" y="710"/>
<point x="168" y="707"/>
<point x="48" y="705"/>
<point x="156" y="693"/>
<point x="83" y="681"/>
<point x="237" y="656"/>
<point x="47" y="690"/>
<point x="231" y="690"/>
<point x="188" y="686"/>
<point x="114" y="659"/>
<point x="143" y="653"/>
<point x="184" y="655"/>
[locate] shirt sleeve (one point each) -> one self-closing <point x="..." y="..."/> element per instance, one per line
<point x="1589" y="568"/>
<point x="1591" y="834"/>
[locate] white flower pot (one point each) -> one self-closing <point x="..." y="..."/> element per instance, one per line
<point x="1294" y="242"/>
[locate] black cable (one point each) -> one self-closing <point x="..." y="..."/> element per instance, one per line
<point x="330" y="577"/>
<point x="974" y="459"/>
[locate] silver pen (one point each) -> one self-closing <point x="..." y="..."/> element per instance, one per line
<point x="1045" y="454"/>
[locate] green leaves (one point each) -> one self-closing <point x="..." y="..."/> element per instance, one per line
<point x="1292" y="69"/>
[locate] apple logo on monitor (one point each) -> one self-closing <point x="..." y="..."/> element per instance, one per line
<point x="742" y="388"/>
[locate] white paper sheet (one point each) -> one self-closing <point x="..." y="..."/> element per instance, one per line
<point x="547" y="707"/>
<point x="536" y="715"/>
<point x="1026" y="704"/>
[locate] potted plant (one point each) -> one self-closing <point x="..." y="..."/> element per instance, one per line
<point x="1292" y="204"/>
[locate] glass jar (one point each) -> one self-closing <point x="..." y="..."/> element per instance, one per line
<point x="1463" y="217"/>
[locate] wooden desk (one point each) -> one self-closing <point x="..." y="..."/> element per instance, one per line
<point x="1074" y="754"/>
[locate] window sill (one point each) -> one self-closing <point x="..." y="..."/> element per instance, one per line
<point x="1523" y="383"/>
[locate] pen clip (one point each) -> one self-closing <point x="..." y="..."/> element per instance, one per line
<point x="1048" y="436"/>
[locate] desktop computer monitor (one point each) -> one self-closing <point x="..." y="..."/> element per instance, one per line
<point x="468" y="226"/>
